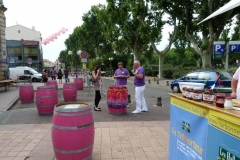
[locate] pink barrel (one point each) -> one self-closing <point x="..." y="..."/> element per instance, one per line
<point x="26" y="93"/>
<point x="79" y="83"/>
<point x="73" y="131"/>
<point x="46" y="99"/>
<point x="69" y="92"/>
<point x="53" y="83"/>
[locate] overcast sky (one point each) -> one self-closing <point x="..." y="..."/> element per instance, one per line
<point x="49" y="16"/>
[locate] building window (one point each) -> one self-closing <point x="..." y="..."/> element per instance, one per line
<point x="30" y="52"/>
<point x="18" y="31"/>
<point x="15" y="52"/>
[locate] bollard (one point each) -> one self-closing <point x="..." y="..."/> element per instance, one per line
<point x="159" y="102"/>
<point x="129" y="98"/>
<point x="157" y="81"/>
<point x="167" y="83"/>
<point x="154" y="79"/>
<point x="149" y="81"/>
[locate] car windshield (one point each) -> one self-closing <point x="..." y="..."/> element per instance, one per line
<point x="225" y="75"/>
<point x="33" y="71"/>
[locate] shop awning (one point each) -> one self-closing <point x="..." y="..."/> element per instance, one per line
<point x="230" y="5"/>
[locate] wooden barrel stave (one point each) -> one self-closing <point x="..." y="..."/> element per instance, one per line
<point x="26" y="93"/>
<point x="78" y="127"/>
<point x="69" y="92"/>
<point x="79" y="83"/>
<point x="52" y="82"/>
<point x="46" y="99"/>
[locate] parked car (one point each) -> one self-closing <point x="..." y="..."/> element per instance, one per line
<point x="204" y="76"/>
<point x="16" y="72"/>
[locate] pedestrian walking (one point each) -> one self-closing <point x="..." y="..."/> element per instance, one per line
<point x="45" y="76"/>
<point x="66" y="72"/>
<point x="96" y="74"/>
<point x="53" y="73"/>
<point x="139" y="83"/>
<point x="121" y="75"/>
<point x="59" y="76"/>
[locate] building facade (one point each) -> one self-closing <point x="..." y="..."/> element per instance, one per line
<point x="47" y="63"/>
<point x="19" y="53"/>
<point x="3" y="54"/>
<point x="24" y="47"/>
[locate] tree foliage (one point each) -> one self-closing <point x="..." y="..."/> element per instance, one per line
<point x="190" y="13"/>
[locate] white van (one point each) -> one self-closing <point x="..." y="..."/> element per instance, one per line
<point x="21" y="71"/>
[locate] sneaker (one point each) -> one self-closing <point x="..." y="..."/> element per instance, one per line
<point x="136" y="112"/>
<point x="144" y="110"/>
<point x="128" y="106"/>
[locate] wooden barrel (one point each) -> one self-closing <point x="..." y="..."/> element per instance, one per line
<point x="73" y="131"/>
<point x="117" y="99"/>
<point x="50" y="82"/>
<point x="26" y="93"/>
<point x="46" y="99"/>
<point x="79" y="83"/>
<point x="69" y="92"/>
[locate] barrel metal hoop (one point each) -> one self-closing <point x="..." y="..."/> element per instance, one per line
<point x="46" y="96"/>
<point x="74" y="151"/>
<point x="45" y="106"/>
<point x="72" y="128"/>
<point x="73" y="115"/>
<point x="88" y="158"/>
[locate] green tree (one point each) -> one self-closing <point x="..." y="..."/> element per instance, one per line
<point x="64" y="56"/>
<point x="122" y="28"/>
<point x="190" y="13"/>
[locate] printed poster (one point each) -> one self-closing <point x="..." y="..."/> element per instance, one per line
<point x="221" y="145"/>
<point x="188" y="131"/>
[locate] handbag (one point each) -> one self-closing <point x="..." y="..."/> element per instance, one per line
<point x="91" y="79"/>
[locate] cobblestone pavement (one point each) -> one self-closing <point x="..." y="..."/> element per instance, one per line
<point x="24" y="135"/>
<point x="113" y="140"/>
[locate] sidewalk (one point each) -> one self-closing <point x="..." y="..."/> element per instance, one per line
<point x="129" y="140"/>
<point x="12" y="95"/>
<point x="113" y="140"/>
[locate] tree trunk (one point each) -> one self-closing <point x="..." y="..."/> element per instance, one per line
<point x="198" y="63"/>
<point x="160" y="56"/>
<point x="206" y="59"/>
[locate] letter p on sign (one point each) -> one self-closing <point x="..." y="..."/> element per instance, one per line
<point x="217" y="47"/>
<point x="233" y="47"/>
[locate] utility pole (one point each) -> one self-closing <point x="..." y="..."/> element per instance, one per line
<point x="227" y="56"/>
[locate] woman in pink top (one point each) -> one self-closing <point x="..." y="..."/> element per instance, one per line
<point x="97" y="82"/>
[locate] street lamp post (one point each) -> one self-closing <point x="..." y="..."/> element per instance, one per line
<point x="110" y="59"/>
<point x="57" y="63"/>
<point x="76" y="56"/>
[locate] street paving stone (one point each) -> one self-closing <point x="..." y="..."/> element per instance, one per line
<point x="113" y="140"/>
<point x="26" y="135"/>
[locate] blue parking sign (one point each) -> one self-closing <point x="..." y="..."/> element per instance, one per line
<point x="218" y="47"/>
<point x="234" y="46"/>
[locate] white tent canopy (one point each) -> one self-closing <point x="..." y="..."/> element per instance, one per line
<point x="230" y="5"/>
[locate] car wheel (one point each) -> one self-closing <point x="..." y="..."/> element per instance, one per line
<point x="34" y="79"/>
<point x="176" y="89"/>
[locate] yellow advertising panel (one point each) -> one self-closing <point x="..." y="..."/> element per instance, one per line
<point x="225" y="122"/>
<point x="190" y="107"/>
